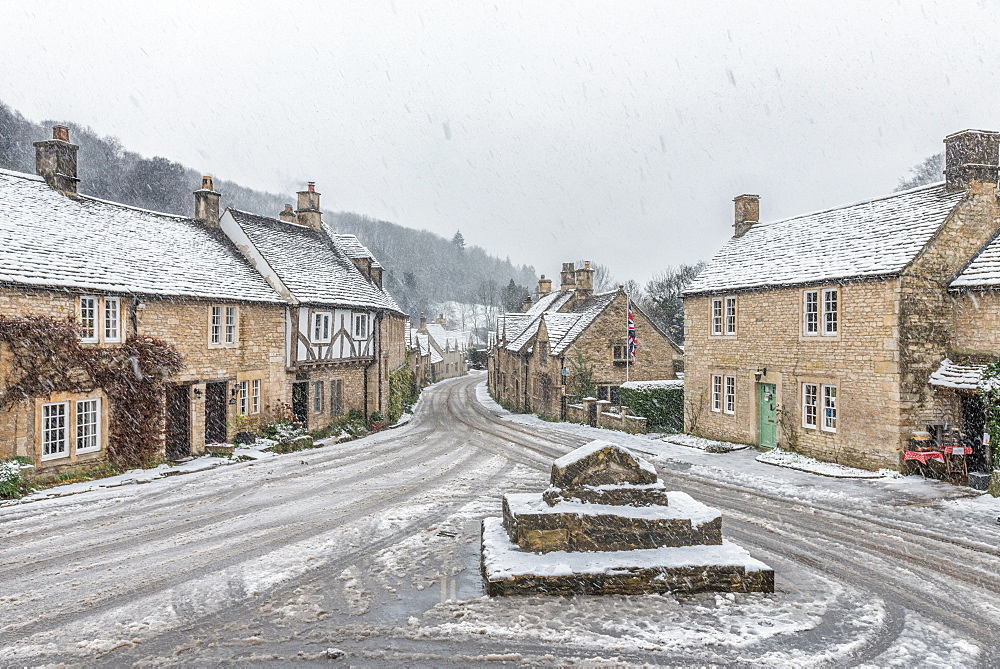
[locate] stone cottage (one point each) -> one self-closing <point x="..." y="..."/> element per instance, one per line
<point x="574" y="341"/>
<point x="824" y="332"/>
<point x="121" y="272"/>
<point x="450" y="346"/>
<point x="345" y="333"/>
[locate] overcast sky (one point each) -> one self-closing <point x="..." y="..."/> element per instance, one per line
<point x="617" y="132"/>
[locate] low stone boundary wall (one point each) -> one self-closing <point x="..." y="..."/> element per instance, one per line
<point x="616" y="418"/>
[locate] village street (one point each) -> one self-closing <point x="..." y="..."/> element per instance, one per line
<point x="371" y="548"/>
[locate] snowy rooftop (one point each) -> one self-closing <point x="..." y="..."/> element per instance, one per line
<point x="950" y="375"/>
<point x="353" y="248"/>
<point x="872" y="238"/>
<point x="563" y="327"/>
<point x="550" y="302"/>
<point x="983" y="271"/>
<point x="47" y="239"/>
<point x="310" y="264"/>
<point x="450" y="339"/>
<point x="650" y="385"/>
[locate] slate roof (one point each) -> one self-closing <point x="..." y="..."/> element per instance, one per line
<point x="48" y="239"/>
<point x="456" y="339"/>
<point x="310" y="264"/>
<point x="550" y="302"/>
<point x="353" y="248"/>
<point x="950" y="375"/>
<point x="873" y="238"/>
<point x="563" y="327"/>
<point x="984" y="269"/>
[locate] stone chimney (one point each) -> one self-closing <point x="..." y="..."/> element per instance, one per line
<point x="442" y="321"/>
<point x="567" y="278"/>
<point x="288" y="215"/>
<point x="55" y="160"/>
<point x="970" y="155"/>
<point x="544" y="286"/>
<point x="206" y="203"/>
<point x="585" y="280"/>
<point x="423" y="323"/>
<point x="308" y="213"/>
<point x="747" y="213"/>
<point x="526" y="303"/>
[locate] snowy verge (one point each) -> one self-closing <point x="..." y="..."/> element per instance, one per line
<point x="133" y="477"/>
<point x="702" y="444"/>
<point x="804" y="463"/>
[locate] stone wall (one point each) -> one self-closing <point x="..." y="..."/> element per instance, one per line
<point x="862" y="361"/>
<point x="352" y="377"/>
<point x="931" y="323"/>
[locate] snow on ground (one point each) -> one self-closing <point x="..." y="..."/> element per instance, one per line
<point x="804" y="463"/>
<point x="702" y="444"/>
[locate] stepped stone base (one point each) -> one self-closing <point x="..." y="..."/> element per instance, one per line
<point x="509" y="570"/>
<point x="574" y="526"/>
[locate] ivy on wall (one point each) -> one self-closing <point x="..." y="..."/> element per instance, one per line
<point x="43" y="355"/>
<point x="403" y="392"/>
<point x="663" y="408"/>
<point x="989" y="386"/>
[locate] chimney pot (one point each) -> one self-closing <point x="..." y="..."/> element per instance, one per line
<point x="747" y="213"/>
<point x="971" y="155"/>
<point x="206" y="203"/>
<point x="308" y="212"/>
<point x="55" y="160"/>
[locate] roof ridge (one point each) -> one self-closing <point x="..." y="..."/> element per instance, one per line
<point x="908" y="191"/>
<point x="179" y="217"/>
<point x="21" y="175"/>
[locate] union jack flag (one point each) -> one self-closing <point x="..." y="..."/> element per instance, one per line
<point x="632" y="341"/>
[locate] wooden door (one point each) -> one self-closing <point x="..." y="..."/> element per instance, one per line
<point x="215" y="413"/>
<point x="767" y="416"/>
<point x="178" y="419"/>
<point x="300" y="402"/>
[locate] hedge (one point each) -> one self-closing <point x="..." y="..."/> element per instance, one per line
<point x="661" y="403"/>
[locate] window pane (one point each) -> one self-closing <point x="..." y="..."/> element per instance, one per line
<point x="811" y="312"/>
<point x="730" y="394"/>
<point x="54" y="429"/>
<point x="809" y="404"/>
<point x="88" y="425"/>
<point x="716" y="316"/>
<point x="244" y="398"/>
<point x="88" y="318"/>
<point x="255" y="396"/>
<point x="111" y="319"/>
<point x="216" y="326"/>
<point x="716" y="393"/>
<point x="830" y="311"/>
<point x="730" y="315"/>
<point x="317" y="396"/>
<point x="230" y="325"/>
<point x="830" y="408"/>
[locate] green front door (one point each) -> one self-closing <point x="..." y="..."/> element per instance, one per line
<point x="767" y="416"/>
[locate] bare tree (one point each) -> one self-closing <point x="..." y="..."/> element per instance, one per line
<point x="930" y="171"/>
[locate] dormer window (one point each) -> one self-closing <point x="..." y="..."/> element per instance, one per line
<point x="321" y="329"/>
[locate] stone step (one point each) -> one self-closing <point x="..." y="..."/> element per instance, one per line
<point x="573" y="526"/>
<point x="507" y="569"/>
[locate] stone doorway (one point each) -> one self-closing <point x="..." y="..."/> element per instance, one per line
<point x="215" y="413"/>
<point x="178" y="428"/>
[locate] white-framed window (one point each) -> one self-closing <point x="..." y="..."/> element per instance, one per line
<point x="729" y="400"/>
<point x="322" y="324"/>
<point x="730" y="315"/>
<point x="230" y="325"/>
<point x="830" y="306"/>
<point x="717" y="315"/>
<point x="830" y="408"/>
<point x="55" y="429"/>
<point x="716" y="392"/>
<point x="810" y="312"/>
<point x="360" y="326"/>
<point x="215" y="326"/>
<point x="317" y="397"/>
<point x="255" y="396"/>
<point x="810" y="405"/>
<point x="88" y="425"/>
<point x="112" y="319"/>
<point x="244" y="397"/>
<point x="88" y="319"/>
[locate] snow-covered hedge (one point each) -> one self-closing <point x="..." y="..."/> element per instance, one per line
<point x="661" y="403"/>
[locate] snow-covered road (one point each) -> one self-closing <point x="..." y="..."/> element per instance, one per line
<point x="371" y="547"/>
